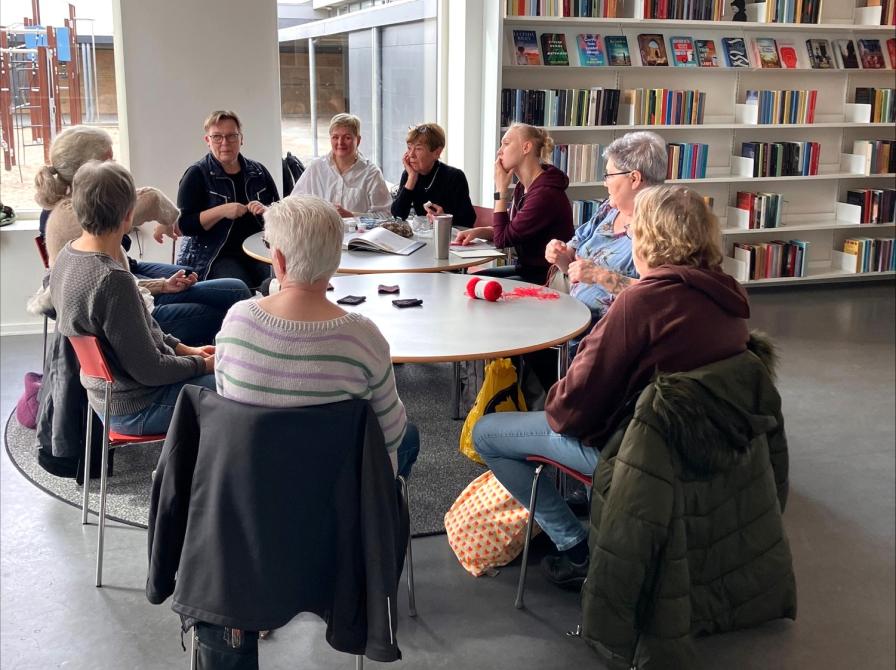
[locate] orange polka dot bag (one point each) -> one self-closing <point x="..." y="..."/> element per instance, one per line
<point x="486" y="526"/>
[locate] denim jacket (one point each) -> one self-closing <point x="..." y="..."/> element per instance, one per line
<point x="200" y="247"/>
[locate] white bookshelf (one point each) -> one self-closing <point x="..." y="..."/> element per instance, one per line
<point x="810" y="203"/>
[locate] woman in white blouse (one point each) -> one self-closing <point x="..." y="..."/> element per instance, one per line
<point x="344" y="177"/>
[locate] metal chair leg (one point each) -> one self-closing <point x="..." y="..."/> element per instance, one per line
<point x="194" y="650"/>
<point x="359" y="662"/>
<point x="532" y="502"/>
<point x="412" y="600"/>
<point x="455" y="393"/>
<point x="103" y="482"/>
<point x="88" y="439"/>
<point x="46" y="320"/>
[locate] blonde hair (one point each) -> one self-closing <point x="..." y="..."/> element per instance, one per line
<point x="71" y="149"/>
<point x="217" y="117"/>
<point x="349" y="121"/>
<point x="308" y="231"/>
<point x="672" y="225"/>
<point x="430" y="134"/>
<point x="543" y="143"/>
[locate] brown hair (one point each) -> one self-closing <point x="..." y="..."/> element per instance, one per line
<point x="672" y="225"/>
<point x="71" y="149"/>
<point x="222" y="115"/>
<point x="430" y="134"/>
<point x="543" y="143"/>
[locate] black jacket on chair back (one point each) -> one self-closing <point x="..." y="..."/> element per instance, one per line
<point x="261" y="513"/>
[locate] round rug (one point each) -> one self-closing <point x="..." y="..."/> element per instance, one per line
<point x="127" y="491"/>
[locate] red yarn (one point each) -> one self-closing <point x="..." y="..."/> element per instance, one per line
<point x="484" y="290"/>
<point x="537" y="292"/>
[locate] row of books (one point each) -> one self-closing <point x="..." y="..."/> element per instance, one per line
<point x="560" y="107"/>
<point x="878" y="205"/>
<point x="581" y="162"/>
<point x="872" y="254"/>
<point x="764" y="208"/>
<point x="792" y="11"/>
<point x="686" y="160"/>
<point x="583" y="210"/>
<point x="783" y="106"/>
<point x="882" y="101"/>
<point x="783" y="159"/>
<point x="777" y="258"/>
<point x="689" y="10"/>
<point x="888" y="10"/>
<point x="596" y="9"/>
<point x="880" y="155"/>
<point x="662" y="106"/>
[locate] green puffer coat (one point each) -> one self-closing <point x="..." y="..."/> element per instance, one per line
<point x="686" y="532"/>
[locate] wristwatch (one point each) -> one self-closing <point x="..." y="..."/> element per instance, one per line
<point x="497" y="196"/>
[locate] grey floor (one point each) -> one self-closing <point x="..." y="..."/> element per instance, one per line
<point x="837" y="381"/>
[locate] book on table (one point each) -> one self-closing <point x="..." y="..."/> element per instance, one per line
<point x="382" y="241"/>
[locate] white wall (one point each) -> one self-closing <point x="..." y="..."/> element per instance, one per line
<point x="178" y="60"/>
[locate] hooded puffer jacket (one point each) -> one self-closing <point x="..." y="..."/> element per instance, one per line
<point x="686" y="531"/>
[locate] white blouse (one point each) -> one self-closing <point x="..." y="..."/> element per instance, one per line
<point x="361" y="188"/>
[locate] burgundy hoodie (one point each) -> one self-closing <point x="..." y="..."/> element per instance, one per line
<point x="677" y="318"/>
<point x="539" y="216"/>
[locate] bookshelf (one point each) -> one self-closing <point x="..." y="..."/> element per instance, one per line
<point x="813" y="205"/>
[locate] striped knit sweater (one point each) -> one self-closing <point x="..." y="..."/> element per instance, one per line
<point x="262" y="359"/>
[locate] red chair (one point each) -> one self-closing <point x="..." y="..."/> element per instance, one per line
<point x="93" y="364"/>
<point x="561" y="469"/>
<point x="484" y="216"/>
<point x="41" y="245"/>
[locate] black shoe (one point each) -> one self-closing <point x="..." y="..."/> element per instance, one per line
<point x="579" y="502"/>
<point x="560" y="570"/>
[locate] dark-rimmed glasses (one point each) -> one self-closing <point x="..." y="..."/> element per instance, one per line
<point x="230" y="137"/>
<point x="616" y="174"/>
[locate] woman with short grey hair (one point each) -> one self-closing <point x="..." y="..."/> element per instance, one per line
<point x="94" y="295"/>
<point x="295" y="347"/>
<point x="598" y="259"/>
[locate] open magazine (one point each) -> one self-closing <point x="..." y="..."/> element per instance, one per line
<point x="382" y="241"/>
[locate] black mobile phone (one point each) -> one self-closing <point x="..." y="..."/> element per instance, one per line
<point x="408" y="302"/>
<point x="351" y="300"/>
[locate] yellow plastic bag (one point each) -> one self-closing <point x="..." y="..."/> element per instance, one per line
<point x="500" y="392"/>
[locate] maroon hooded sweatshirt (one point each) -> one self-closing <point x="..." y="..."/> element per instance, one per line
<point x="539" y="216"/>
<point x="676" y="319"/>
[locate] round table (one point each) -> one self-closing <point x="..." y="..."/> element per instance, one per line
<point x="370" y="262"/>
<point x="450" y="326"/>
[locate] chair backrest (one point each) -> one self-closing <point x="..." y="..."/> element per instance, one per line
<point x="90" y="357"/>
<point x="484" y="215"/>
<point x="41" y="244"/>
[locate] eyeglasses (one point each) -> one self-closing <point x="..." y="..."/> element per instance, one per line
<point x="616" y="174"/>
<point x="230" y="137"/>
<point x="422" y="129"/>
<point x="266" y="243"/>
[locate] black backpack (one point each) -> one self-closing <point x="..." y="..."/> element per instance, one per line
<point x="292" y="170"/>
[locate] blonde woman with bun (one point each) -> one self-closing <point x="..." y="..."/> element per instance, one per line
<point x="534" y="212"/>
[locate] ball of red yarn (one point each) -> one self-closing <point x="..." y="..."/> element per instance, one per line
<point x="478" y="288"/>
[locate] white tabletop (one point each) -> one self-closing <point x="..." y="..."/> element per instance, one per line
<point x="369" y="262"/>
<point x="450" y="326"/>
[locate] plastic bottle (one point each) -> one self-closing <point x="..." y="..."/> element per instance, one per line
<point x="412" y="219"/>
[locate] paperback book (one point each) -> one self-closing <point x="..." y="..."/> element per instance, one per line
<point x="590" y="52"/>
<point x="787" y="54"/>
<point x="553" y="48"/>
<point x="735" y="52"/>
<point x="706" y="53"/>
<point x="891" y="49"/>
<point x="871" y="54"/>
<point x="653" y="50"/>
<point x="525" y="46"/>
<point x="617" y="50"/>
<point x="820" y="54"/>
<point x="845" y="54"/>
<point x="381" y="240"/>
<point x="683" y="52"/>
<point x="766" y="51"/>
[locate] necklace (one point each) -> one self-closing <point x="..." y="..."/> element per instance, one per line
<point x="426" y="188"/>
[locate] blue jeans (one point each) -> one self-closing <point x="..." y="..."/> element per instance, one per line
<point x="408" y="451"/>
<point x="155" y="417"/>
<point x="194" y="316"/>
<point x="505" y="439"/>
<point x="146" y="270"/>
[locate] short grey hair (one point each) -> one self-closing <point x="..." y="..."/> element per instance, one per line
<point x="308" y="232"/>
<point x="103" y="195"/>
<point x="642" y="151"/>
<point x="70" y="150"/>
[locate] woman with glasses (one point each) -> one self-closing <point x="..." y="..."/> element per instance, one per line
<point x="221" y="199"/>
<point x="531" y="214"/>
<point x="598" y="259"/>
<point x="345" y="178"/>
<point x="427" y="184"/>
